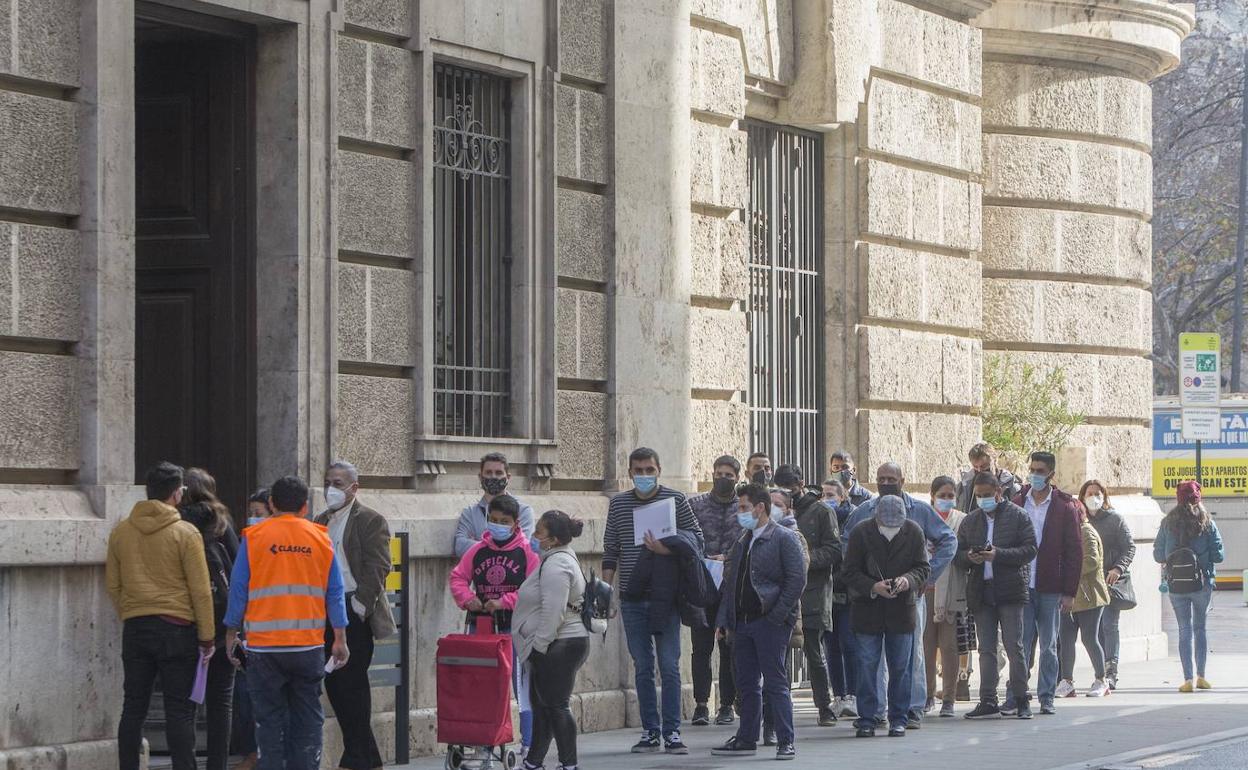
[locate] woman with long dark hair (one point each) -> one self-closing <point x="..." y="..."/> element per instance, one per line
<point x="201" y="507"/>
<point x="1189" y="546"/>
<point x="1119" y="552"/>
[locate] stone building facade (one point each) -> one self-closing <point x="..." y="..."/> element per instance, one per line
<point x="261" y="234"/>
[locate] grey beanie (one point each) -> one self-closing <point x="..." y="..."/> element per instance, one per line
<point x="890" y="511"/>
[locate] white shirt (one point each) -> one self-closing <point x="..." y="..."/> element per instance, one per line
<point x="337" y="528"/>
<point x="992" y="524"/>
<point x="1038" y="513"/>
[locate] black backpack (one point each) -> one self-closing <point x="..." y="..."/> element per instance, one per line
<point x="1182" y="570"/>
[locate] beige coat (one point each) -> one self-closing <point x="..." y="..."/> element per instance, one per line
<point x="950" y="597"/>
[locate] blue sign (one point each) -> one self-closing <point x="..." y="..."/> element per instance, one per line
<point x="1168" y="432"/>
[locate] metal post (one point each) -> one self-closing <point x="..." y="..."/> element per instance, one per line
<point x="402" y="710"/>
<point x="1237" y="324"/>
<point x="1199" y="480"/>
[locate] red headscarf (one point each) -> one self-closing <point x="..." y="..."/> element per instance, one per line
<point x="1188" y="492"/>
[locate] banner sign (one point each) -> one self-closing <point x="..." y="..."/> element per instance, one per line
<point x="1224" y="461"/>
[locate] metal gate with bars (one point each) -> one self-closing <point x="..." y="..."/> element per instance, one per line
<point x="472" y="253"/>
<point x="785" y="216"/>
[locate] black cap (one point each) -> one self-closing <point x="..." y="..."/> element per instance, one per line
<point x="787" y="475"/>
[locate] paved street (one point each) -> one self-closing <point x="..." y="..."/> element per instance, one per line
<point x="1146" y="724"/>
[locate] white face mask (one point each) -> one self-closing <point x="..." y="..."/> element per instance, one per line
<point x="335" y="498"/>
<point x="1094" y="502"/>
<point x="888" y="532"/>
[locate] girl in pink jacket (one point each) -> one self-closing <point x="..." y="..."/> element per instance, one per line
<point x="489" y="574"/>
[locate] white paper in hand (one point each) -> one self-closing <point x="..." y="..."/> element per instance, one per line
<point x="657" y="518"/>
<point x="716" y="568"/>
<point x="331" y="665"/>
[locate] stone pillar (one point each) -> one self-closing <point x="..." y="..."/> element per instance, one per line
<point x="1067" y="241"/>
<point x="649" y="322"/>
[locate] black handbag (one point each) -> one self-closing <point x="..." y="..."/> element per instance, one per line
<point x="1122" y="594"/>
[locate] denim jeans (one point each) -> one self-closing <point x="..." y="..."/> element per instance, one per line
<point x="918" y="681"/>
<point x="1086" y="624"/>
<point x="151" y="647"/>
<point x="1191" y="611"/>
<point x="285" y="689"/>
<point x="840" y="649"/>
<point x="1040" y="626"/>
<point x="759" y="649"/>
<point x="1109" y="634"/>
<point x="643" y="644"/>
<point x="895" y="652"/>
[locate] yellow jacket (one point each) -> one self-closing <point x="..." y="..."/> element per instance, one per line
<point x="1093" y="590"/>
<point x="156" y="566"/>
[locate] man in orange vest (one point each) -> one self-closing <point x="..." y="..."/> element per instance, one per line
<point x="285" y="584"/>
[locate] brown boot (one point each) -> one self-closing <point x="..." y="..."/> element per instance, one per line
<point x="248" y="763"/>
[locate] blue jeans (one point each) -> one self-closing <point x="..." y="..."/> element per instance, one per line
<point x="840" y="650"/>
<point x="643" y="644"/>
<point x="896" y="651"/>
<point x="759" y="650"/>
<point x="1191" y="610"/>
<point x="1040" y="624"/>
<point x="285" y="689"/>
<point x="918" y="681"/>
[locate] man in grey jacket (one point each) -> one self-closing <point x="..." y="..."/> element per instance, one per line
<point x="763" y="582"/>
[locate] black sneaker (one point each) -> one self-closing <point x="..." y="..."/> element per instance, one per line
<point x="673" y="745"/>
<point x="880" y="721"/>
<point x="769" y="736"/>
<point x="865" y="732"/>
<point x="984" y="711"/>
<point x="827" y="717"/>
<point x="786" y="751"/>
<point x="1009" y="710"/>
<point x="896" y="732"/>
<point x="725" y="716"/>
<point x="650" y="743"/>
<point x="701" y="715"/>
<point x="1046" y="708"/>
<point x="735" y="747"/>
<point x="914" y="721"/>
<point x="1024" y="711"/>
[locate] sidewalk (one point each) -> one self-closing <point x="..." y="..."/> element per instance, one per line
<point x="1145" y="717"/>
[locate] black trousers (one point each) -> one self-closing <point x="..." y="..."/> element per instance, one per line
<point x="150" y="647"/>
<point x="703" y="649"/>
<point x="219" y="708"/>
<point x="351" y="698"/>
<point x="551" y="677"/>
<point x="816" y="666"/>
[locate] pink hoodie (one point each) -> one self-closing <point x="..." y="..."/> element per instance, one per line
<point x="489" y="570"/>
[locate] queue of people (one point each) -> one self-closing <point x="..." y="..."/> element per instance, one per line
<point x="883" y="595"/>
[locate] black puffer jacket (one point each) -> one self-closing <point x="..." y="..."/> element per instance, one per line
<point x="1014" y="540"/>
<point x="678" y="582"/>
<point x="817" y="523"/>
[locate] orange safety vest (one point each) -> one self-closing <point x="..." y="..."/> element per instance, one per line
<point x="290" y="559"/>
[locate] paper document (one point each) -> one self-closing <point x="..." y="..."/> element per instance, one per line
<point x="716" y="568"/>
<point x="200" y="686"/>
<point x="659" y="519"/>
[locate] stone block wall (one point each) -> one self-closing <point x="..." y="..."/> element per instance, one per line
<point x="40" y="247"/>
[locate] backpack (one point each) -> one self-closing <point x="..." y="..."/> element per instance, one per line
<point x="1182" y="571"/>
<point x="220" y="565"/>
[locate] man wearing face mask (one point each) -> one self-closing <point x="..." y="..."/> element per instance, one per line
<point x="983" y="459"/>
<point x="361" y="539"/>
<point x="758" y="469"/>
<point x="942" y="544"/>
<point x="817" y="524"/>
<point x="763" y="582"/>
<point x="716" y="512"/>
<point x="1055" y="572"/>
<point x="996" y="542"/>
<point x="494" y="475"/>
<point x="842" y="466"/>
<point x="619" y="557"/>
<point x="886" y="568"/>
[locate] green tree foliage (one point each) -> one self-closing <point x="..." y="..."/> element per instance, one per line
<point x="1025" y="409"/>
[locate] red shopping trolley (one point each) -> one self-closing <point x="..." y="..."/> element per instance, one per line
<point x="474" y="698"/>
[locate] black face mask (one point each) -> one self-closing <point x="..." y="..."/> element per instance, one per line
<point x="847" y="477"/>
<point x="762" y="477"/>
<point x="494" y="486"/>
<point x="723" y="488"/>
<point x="889" y="489"/>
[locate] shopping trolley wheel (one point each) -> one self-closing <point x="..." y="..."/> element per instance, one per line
<point x="510" y="759"/>
<point x="454" y="757"/>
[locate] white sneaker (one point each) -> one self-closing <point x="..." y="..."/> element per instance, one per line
<point x="849" y="706"/>
<point x="1065" y="689"/>
<point x="1099" y="689"/>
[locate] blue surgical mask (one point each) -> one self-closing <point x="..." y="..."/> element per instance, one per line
<point x="254" y="520"/>
<point x="944" y="504"/>
<point x="1039" y="481"/>
<point x="777" y="513"/>
<point x="986" y="504"/>
<point x="747" y="520"/>
<point x="645" y="484"/>
<point x="500" y="533"/>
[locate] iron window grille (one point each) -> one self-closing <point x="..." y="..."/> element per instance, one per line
<point x="472" y="253"/>
<point x="785" y="215"/>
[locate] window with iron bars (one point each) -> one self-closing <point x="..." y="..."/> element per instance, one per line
<point x="472" y="388"/>
<point x="785" y="216"/>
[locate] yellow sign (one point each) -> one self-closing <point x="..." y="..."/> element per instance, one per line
<point x="1221" y="477"/>
<point x="1202" y="341"/>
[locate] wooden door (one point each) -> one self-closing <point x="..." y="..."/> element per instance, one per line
<point x="193" y="305"/>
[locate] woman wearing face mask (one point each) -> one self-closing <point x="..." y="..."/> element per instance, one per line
<point x="487" y="578"/>
<point x="1189" y="546"/>
<point x="946" y="608"/>
<point x="243" y="730"/>
<point x="551" y="640"/>
<point x="1084" y="619"/>
<point x="1119" y="547"/>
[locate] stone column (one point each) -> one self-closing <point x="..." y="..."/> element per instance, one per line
<point x="1067" y="241"/>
